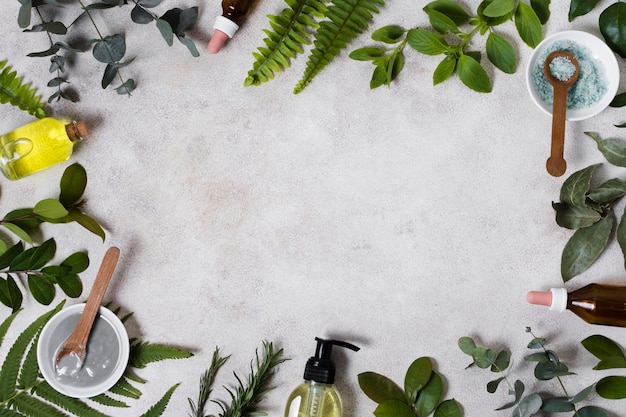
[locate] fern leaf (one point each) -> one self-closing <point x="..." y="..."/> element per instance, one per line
<point x="4" y="412"/>
<point x="159" y="407"/>
<point x="144" y="353"/>
<point x="30" y="367"/>
<point x="124" y="388"/>
<point x="19" y="94"/>
<point x="4" y="327"/>
<point x="346" y="19"/>
<point x="108" y="401"/>
<point x="11" y="365"/>
<point x="72" y="405"/>
<point x="34" y="407"/>
<point x="289" y="31"/>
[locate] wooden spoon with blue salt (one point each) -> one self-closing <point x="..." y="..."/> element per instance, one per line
<point x="561" y="70"/>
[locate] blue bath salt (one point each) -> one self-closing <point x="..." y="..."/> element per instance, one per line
<point x="562" y="68"/>
<point x="592" y="81"/>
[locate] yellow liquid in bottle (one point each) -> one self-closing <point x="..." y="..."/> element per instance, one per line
<point x="314" y="400"/>
<point x="34" y="147"/>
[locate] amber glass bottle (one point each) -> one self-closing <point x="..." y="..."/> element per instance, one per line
<point x="594" y="303"/>
<point x="233" y="11"/>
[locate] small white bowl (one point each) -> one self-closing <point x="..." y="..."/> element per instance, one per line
<point x="107" y="355"/>
<point x="599" y="51"/>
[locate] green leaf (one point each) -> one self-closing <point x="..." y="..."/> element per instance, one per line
<point x="584" y="247"/>
<point x="379" y="388"/>
<point x="591" y="411"/>
<point x="72" y="405"/>
<point x="472" y="74"/>
<point x="608" y="192"/>
<point x="71" y="285"/>
<point x="542" y="8"/>
<point x="545" y="371"/>
<point x="528" y="25"/>
<point x="367" y="54"/>
<point x="426" y="42"/>
<point x="77" y="262"/>
<point x="528" y="406"/>
<point x="483" y="357"/>
<point x="393" y="408"/>
<point x="580" y="7"/>
<point x="50" y="209"/>
<point x="449" y="8"/>
<point x="444" y="70"/>
<point x="602" y="347"/>
<point x="613" y="151"/>
<point x="429" y="396"/>
<point x="575" y="217"/>
<point x="501" y="53"/>
<point x="109" y="49"/>
<point x="159" y="407"/>
<point x="23" y="16"/>
<point x="23" y="218"/>
<point x="126" y="88"/>
<point x="467" y="345"/>
<point x="87" y="222"/>
<point x="388" y="34"/>
<point x="41" y="289"/>
<point x="503" y="360"/>
<point x="557" y="405"/>
<point x="417" y="376"/>
<point x="492" y="386"/>
<point x="43" y="254"/>
<point x="18" y="231"/>
<point x="619" y="100"/>
<point x="143" y="353"/>
<point x="613" y="27"/>
<point x="9" y="255"/>
<point x="448" y="408"/>
<point x="574" y="189"/>
<point x="620" y="235"/>
<point x="379" y="77"/>
<point x="440" y="22"/>
<point x="612" y="387"/>
<point x="611" y="363"/>
<point x="166" y="31"/>
<point x="140" y="15"/>
<point x="499" y="8"/>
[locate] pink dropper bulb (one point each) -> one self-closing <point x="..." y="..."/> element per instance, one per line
<point x="217" y="41"/>
<point x="542" y="298"/>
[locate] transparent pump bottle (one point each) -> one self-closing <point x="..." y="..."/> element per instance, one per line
<point x="594" y="303"/>
<point x="317" y="396"/>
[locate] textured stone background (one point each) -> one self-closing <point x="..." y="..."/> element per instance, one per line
<point x="399" y="219"/>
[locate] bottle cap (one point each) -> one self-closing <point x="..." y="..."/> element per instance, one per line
<point x="320" y="368"/>
<point x="224" y="29"/>
<point x="556" y="299"/>
<point x="77" y="131"/>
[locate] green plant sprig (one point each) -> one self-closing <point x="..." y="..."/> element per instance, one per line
<point x="23" y="392"/>
<point x="247" y="395"/>
<point x="447" y="17"/>
<point x="18" y="93"/>
<point x="421" y="396"/>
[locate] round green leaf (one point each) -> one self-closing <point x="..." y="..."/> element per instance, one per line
<point x="528" y="25"/>
<point x="417" y="376"/>
<point x="109" y="49"/>
<point x="379" y="388"/>
<point x="528" y="406"/>
<point x="140" y="15"/>
<point x="50" y="208"/>
<point x="73" y="184"/>
<point x="448" y="408"/>
<point x="393" y="408"/>
<point x="472" y="74"/>
<point x="584" y="247"/>
<point x="426" y="42"/>
<point x="467" y="345"/>
<point x="613" y="27"/>
<point x="41" y="289"/>
<point x="501" y="53"/>
<point x="612" y="387"/>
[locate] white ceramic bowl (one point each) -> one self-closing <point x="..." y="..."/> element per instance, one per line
<point x="599" y="51"/>
<point x="107" y="355"/>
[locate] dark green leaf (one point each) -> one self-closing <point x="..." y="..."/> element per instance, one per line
<point x="87" y="222"/>
<point x="48" y="52"/>
<point x="503" y="360"/>
<point x="574" y="189"/>
<point x="41" y="289"/>
<point x="43" y="254"/>
<point x="613" y="27"/>
<point x="444" y="70"/>
<point x="429" y="396"/>
<point x="127" y="87"/>
<point x="575" y="217"/>
<point x="584" y="247"/>
<point x="440" y="22"/>
<point x="602" y="347"/>
<point x="528" y="25"/>
<point x="367" y="54"/>
<point x="492" y="386"/>
<point x="9" y="255"/>
<point x="73" y="184"/>
<point x="557" y="405"/>
<point x="23" y="218"/>
<point x="110" y="72"/>
<point x="611" y="363"/>
<point x="450" y="8"/>
<point x="23" y="16"/>
<point x="591" y="411"/>
<point x="77" y="262"/>
<point x="612" y="387"/>
<point x="187" y="19"/>
<point x="140" y="15"/>
<point x="582" y="395"/>
<point x="388" y="34"/>
<point x="537" y="357"/>
<point x="379" y="388"/>
<point x="472" y="74"/>
<point x="393" y="408"/>
<point x="619" y="100"/>
<point x="426" y="42"/>
<point x="150" y="3"/>
<point x="166" y="31"/>
<point x="544" y="371"/>
<point x="613" y="151"/>
<point x="620" y="235"/>
<point x="189" y="44"/>
<point x="71" y="285"/>
<point x="608" y="192"/>
<point x="580" y="7"/>
<point x="448" y="408"/>
<point x="542" y="8"/>
<point x="417" y="376"/>
<point x="23" y="261"/>
<point x="528" y="406"/>
<point x="12" y="293"/>
<point x="57" y="28"/>
<point x="501" y="53"/>
<point x="109" y="49"/>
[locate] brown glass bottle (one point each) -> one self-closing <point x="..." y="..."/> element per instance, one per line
<point x="236" y="9"/>
<point x="594" y="303"/>
<point x="226" y="25"/>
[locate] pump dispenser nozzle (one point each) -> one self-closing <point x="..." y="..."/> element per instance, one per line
<point x="320" y="368"/>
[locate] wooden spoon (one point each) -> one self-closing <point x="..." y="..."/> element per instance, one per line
<point x="76" y="343"/>
<point x="556" y="165"/>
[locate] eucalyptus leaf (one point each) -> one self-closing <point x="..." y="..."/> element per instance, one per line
<point x="472" y="74"/>
<point x="545" y="371"/>
<point x="492" y="386"/>
<point x="528" y="406"/>
<point x="149" y="3"/>
<point x="574" y="189"/>
<point x="110" y="72"/>
<point x="467" y="345"/>
<point x="189" y="44"/>
<point x="583" y="394"/>
<point x="140" y="15"/>
<point x="528" y="25"/>
<point x="379" y="388"/>
<point x="166" y="31"/>
<point x="557" y="405"/>
<point x="580" y="7"/>
<point x="126" y="88"/>
<point x="575" y="217"/>
<point x="503" y="360"/>
<point x="501" y="53"/>
<point x="613" y="27"/>
<point x="613" y="151"/>
<point x="417" y="376"/>
<point x="24" y="13"/>
<point x="444" y="70"/>
<point x="612" y="387"/>
<point x="429" y="396"/>
<point x="109" y="49"/>
<point x="620" y="235"/>
<point x="591" y="411"/>
<point x="584" y="247"/>
<point x="483" y="357"/>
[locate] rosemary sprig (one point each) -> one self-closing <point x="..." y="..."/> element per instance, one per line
<point x="206" y="382"/>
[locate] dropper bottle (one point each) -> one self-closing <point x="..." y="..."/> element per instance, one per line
<point x="317" y="395"/>
<point x="594" y="303"/>
<point x="39" y="145"/>
<point x="225" y="26"/>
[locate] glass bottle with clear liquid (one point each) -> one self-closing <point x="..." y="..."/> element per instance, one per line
<point x="39" y="145"/>
<point x="317" y="395"/>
